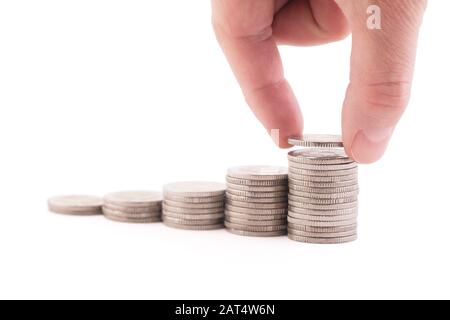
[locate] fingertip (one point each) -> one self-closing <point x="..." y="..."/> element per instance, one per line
<point x="369" y="145"/>
<point x="367" y="127"/>
<point x="280" y="138"/>
<point x="284" y="145"/>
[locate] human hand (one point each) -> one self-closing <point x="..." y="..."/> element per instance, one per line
<point x="382" y="61"/>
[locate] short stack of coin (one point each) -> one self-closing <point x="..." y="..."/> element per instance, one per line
<point x="78" y="205"/>
<point x="194" y="205"/>
<point x="323" y="195"/>
<point x="133" y="206"/>
<point x="257" y="201"/>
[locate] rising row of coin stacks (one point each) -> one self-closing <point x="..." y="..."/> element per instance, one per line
<point x="323" y="196"/>
<point x="313" y="201"/>
<point x="256" y="201"/>
<point x="133" y="207"/>
<point x="194" y="205"/>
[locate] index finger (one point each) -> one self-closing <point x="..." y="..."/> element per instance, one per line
<point x="244" y="31"/>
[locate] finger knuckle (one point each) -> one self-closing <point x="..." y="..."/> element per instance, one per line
<point x="236" y="30"/>
<point x="387" y="100"/>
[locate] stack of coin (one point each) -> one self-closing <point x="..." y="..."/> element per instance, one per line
<point x="323" y="195"/>
<point x="257" y="201"/>
<point x="194" y="205"/>
<point x="78" y="205"/>
<point x="133" y="206"/>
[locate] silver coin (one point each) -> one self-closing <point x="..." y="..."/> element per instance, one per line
<point x="73" y="212"/>
<point x="194" y="199"/>
<point x="327" y="218"/>
<point x="255" y="211"/>
<point x="192" y="222"/>
<point x="258" y="172"/>
<point x="322" y="235"/>
<point x="180" y="216"/>
<point x="252" y="194"/>
<point x="317" y="141"/>
<point x="327" y="167"/>
<point x="192" y="211"/>
<point x="321" y="224"/>
<point x="257" y="183"/>
<point x="322" y="229"/>
<point x="295" y="188"/>
<point x="258" y="217"/>
<point x="312" y="206"/>
<point x="322" y="173"/>
<point x="255" y="206"/>
<point x="134" y="198"/>
<point x="257" y="234"/>
<point x="335" y="212"/>
<point x="256" y="200"/>
<point x="149" y="209"/>
<point x="322" y="204"/>
<point x="132" y="220"/>
<point x="187" y="205"/>
<point x="322" y="240"/>
<point x="293" y="199"/>
<point x="241" y="187"/>
<point x="328" y="185"/>
<point x="76" y="205"/>
<point x="319" y="156"/>
<point x="194" y="189"/>
<point x="353" y="179"/>
<point x="313" y="195"/>
<point x="193" y="227"/>
<point x="237" y="226"/>
<point x="117" y="213"/>
<point x="255" y="223"/>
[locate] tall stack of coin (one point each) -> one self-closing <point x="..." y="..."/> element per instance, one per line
<point x="194" y="205"/>
<point x="133" y="206"/>
<point x="323" y="192"/>
<point x="257" y="201"/>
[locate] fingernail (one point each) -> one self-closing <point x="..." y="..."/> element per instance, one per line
<point x="369" y="145"/>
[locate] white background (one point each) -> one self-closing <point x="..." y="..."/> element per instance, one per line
<point x="99" y="96"/>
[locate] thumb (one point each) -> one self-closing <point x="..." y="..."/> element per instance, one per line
<point x="383" y="55"/>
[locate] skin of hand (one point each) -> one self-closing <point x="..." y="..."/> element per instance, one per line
<point x="382" y="61"/>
